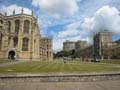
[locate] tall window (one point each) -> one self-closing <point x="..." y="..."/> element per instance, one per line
<point x="25" y="44"/>
<point x="9" y="26"/>
<point x="1" y="21"/>
<point x="15" y="41"/>
<point x="17" y="25"/>
<point x="9" y="40"/>
<point x="26" y="26"/>
<point x="0" y="28"/>
<point x="0" y="40"/>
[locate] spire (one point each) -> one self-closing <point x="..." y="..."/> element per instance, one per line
<point x="32" y="12"/>
<point x="5" y="13"/>
<point x="22" y="11"/>
<point x="37" y="17"/>
<point x="14" y="12"/>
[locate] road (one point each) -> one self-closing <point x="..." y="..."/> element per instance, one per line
<point x="99" y="85"/>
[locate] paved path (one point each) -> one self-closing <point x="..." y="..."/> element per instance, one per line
<point x="100" y="85"/>
<point x="11" y="63"/>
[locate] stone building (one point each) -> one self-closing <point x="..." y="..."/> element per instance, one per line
<point x="112" y="50"/>
<point x="68" y="45"/>
<point x="88" y="51"/>
<point x="101" y="40"/>
<point x="103" y="46"/>
<point x="20" y="38"/>
<point x="45" y="48"/>
<point x="79" y="46"/>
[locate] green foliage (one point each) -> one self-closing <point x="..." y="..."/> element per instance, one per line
<point x="65" y="54"/>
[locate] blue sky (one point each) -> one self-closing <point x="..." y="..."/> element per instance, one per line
<point x="70" y="19"/>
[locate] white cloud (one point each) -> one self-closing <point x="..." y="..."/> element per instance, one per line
<point x="106" y="18"/>
<point x="70" y="30"/>
<point x="9" y="9"/>
<point x="57" y="7"/>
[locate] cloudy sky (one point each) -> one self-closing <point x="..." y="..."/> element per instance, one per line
<point x="69" y="19"/>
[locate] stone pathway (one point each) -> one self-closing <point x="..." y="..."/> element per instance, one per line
<point x="11" y="63"/>
<point x="99" y="85"/>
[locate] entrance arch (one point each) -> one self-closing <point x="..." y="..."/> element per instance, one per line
<point x="11" y="54"/>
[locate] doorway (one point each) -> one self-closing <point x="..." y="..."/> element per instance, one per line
<point x="11" y="54"/>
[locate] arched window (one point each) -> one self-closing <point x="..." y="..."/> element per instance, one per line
<point x="0" y="40"/>
<point x="25" y="44"/>
<point x="17" y="25"/>
<point x="26" y="26"/>
<point x="15" y="41"/>
<point x="9" y="26"/>
<point x="0" y="28"/>
<point x="9" y="40"/>
<point x="1" y="21"/>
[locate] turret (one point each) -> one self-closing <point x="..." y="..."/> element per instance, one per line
<point x="5" y="13"/>
<point x="14" y="12"/>
<point x="22" y="11"/>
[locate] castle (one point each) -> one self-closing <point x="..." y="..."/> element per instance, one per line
<point x="20" y="38"/>
<point x="103" y="46"/>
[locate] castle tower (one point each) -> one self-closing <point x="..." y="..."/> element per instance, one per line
<point x="101" y="39"/>
<point x="68" y="45"/>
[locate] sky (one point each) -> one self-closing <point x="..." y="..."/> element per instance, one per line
<point x="69" y="19"/>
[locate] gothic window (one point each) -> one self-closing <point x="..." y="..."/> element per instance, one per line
<point x="26" y="26"/>
<point x="0" y="40"/>
<point x="15" y="41"/>
<point x="47" y="54"/>
<point x="9" y="40"/>
<point x="25" y="44"/>
<point x="9" y="26"/>
<point x="0" y="28"/>
<point x="17" y="26"/>
<point x="1" y="21"/>
<point x="47" y="46"/>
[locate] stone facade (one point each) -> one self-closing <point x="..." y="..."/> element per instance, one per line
<point x="68" y="45"/>
<point x="20" y="38"/>
<point x="88" y="51"/>
<point x="80" y="45"/>
<point x="45" y="47"/>
<point x="112" y="50"/>
<point x="103" y="46"/>
<point x="101" y="40"/>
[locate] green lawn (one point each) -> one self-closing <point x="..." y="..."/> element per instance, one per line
<point x="5" y="61"/>
<point x="59" y="66"/>
<point x="111" y="61"/>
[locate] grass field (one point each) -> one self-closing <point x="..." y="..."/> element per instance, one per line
<point x="111" y="61"/>
<point x="5" y="61"/>
<point x="60" y="66"/>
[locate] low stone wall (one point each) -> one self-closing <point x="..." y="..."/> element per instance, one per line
<point x="59" y="78"/>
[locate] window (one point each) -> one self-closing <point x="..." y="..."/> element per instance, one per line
<point x="1" y="21"/>
<point x="9" y="40"/>
<point x="0" y="28"/>
<point x="15" y="41"/>
<point x="17" y="25"/>
<point x="0" y="40"/>
<point x="9" y="26"/>
<point x="26" y="26"/>
<point x="25" y="44"/>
